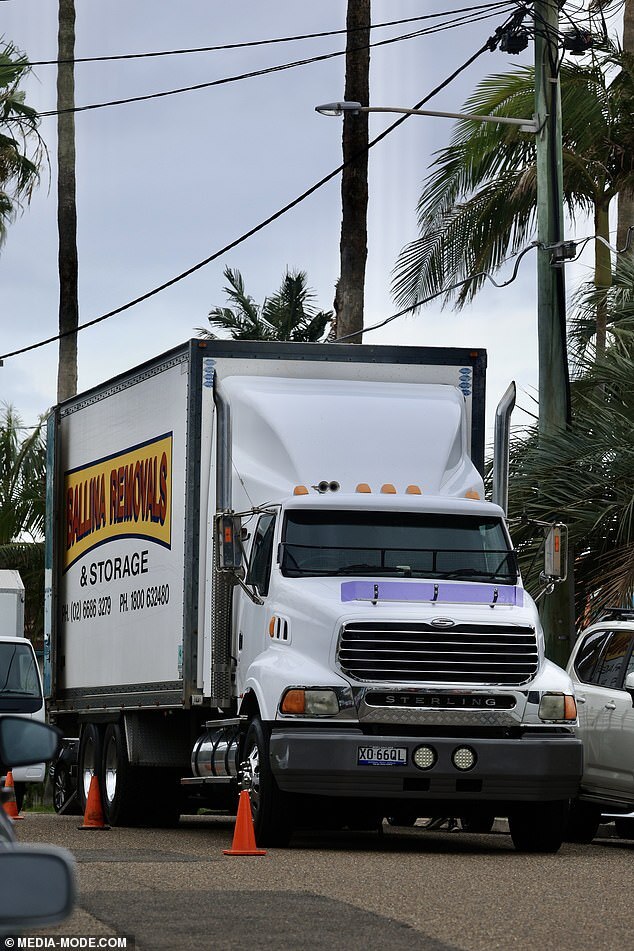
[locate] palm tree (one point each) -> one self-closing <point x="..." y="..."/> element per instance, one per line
<point x="22" y="508"/>
<point x="479" y="202"/>
<point x="584" y="476"/>
<point x="288" y="314"/>
<point x="21" y="148"/>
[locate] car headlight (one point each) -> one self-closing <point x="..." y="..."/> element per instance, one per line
<point x="557" y="706"/>
<point x="310" y="702"/>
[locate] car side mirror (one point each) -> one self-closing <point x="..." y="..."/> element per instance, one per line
<point x="629" y="685"/>
<point x="38" y="886"/>
<point x="23" y="742"/>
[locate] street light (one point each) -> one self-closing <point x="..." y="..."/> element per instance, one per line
<point x="338" y="109"/>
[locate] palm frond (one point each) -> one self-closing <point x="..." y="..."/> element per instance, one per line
<point x="474" y="207"/>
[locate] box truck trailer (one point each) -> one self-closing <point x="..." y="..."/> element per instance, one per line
<point x="273" y="567"/>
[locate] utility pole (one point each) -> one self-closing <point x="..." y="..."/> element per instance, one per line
<point x="66" y="204"/>
<point x="354" y="179"/>
<point x="557" y="609"/>
<point x="626" y="196"/>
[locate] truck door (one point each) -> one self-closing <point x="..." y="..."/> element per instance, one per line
<point x="253" y="618"/>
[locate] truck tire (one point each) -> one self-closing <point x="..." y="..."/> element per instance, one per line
<point x="121" y="787"/>
<point x="63" y="788"/>
<point x="89" y="761"/>
<point x="582" y="822"/>
<point x="136" y="795"/>
<point x="538" y="827"/>
<point x="273" y="813"/>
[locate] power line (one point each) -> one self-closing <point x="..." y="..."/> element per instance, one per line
<point x="268" y="42"/>
<point x="490" y="44"/>
<point x="268" y="70"/>
<point x="445" y="290"/>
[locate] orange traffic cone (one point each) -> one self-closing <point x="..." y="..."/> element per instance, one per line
<point x="11" y="806"/>
<point x="93" y="816"/>
<point x="244" y="833"/>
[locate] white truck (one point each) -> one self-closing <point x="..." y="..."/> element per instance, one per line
<point x="272" y="567"/>
<point x="20" y="681"/>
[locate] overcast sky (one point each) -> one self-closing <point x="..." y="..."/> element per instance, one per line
<point x="162" y="184"/>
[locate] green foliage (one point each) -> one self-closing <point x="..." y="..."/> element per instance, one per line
<point x="478" y="204"/>
<point x="288" y="314"/>
<point x="22" y="511"/>
<point x="585" y="476"/>
<point x="21" y="148"/>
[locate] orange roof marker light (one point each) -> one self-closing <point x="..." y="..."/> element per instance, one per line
<point x="413" y="490"/>
<point x="363" y="487"/>
<point x="300" y="490"/>
<point x="472" y="494"/>
<point x="388" y="489"/>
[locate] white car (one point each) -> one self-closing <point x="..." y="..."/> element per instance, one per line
<point x="602" y="669"/>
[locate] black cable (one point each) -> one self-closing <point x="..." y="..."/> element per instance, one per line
<point x="254" y="43"/>
<point x="488" y="45"/>
<point x="445" y="290"/>
<point x="262" y="72"/>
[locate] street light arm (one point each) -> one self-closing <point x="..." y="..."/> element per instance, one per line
<point x="338" y="109"/>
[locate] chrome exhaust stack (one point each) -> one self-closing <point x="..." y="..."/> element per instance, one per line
<point x="501" y="443"/>
<point x="222" y="581"/>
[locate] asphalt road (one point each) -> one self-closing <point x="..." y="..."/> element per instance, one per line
<point x="404" y="889"/>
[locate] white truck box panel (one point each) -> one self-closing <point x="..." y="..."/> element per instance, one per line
<point x="123" y="555"/>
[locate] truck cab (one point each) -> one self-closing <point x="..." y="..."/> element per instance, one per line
<point x="385" y="653"/>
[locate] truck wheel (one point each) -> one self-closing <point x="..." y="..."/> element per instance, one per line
<point x="582" y="822"/>
<point x="63" y="789"/>
<point x="89" y="761"/>
<point x="539" y="827"/>
<point x="121" y="789"/>
<point x="272" y="809"/>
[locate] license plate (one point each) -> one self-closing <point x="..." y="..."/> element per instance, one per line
<point x="382" y="756"/>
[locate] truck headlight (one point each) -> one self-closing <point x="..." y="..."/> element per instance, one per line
<point x="557" y="706"/>
<point x="310" y="702"/>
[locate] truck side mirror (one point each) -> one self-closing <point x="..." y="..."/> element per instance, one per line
<point x="556" y="552"/>
<point x="229" y="533"/>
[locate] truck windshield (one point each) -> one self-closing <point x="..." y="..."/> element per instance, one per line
<point x="19" y="681"/>
<point x="401" y="544"/>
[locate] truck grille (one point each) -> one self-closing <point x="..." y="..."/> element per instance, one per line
<point x="465" y="654"/>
